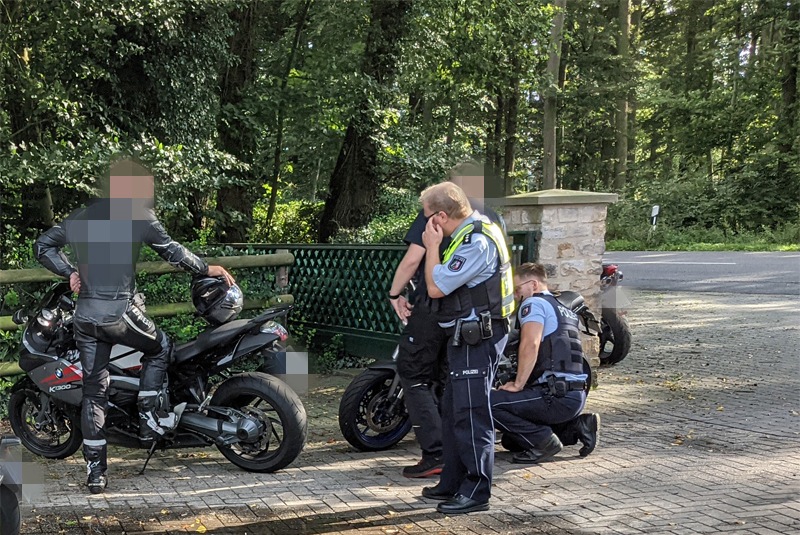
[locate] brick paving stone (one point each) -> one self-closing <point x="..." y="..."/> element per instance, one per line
<point x="699" y="434"/>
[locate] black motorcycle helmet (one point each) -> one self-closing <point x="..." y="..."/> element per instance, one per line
<point x="215" y="301"/>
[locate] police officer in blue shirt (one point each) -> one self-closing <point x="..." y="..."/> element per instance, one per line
<point x="551" y="384"/>
<point x="421" y="359"/>
<point x="472" y="297"/>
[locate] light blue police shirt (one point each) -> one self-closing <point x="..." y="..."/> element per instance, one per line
<point x="471" y="263"/>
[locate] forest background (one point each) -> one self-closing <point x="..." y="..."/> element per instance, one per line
<point x="301" y="121"/>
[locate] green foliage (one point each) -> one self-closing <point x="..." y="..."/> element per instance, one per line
<point x="207" y="98"/>
<point x="294" y="222"/>
<point x="390" y="228"/>
<point x="9" y="345"/>
<point x="398" y="208"/>
<point x="332" y="356"/>
<point x="629" y="229"/>
<point x="5" y="386"/>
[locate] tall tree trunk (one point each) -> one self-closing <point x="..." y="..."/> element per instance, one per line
<point x="235" y="201"/>
<point x="633" y="126"/>
<point x="551" y="98"/>
<point x="512" y="110"/>
<point x="354" y="184"/>
<point x="452" y="117"/>
<point x="789" y="123"/>
<point x="789" y="68"/>
<point x="621" y="122"/>
<point x="497" y="157"/>
<point x="276" y="161"/>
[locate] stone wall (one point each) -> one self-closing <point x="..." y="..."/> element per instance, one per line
<point x="570" y="228"/>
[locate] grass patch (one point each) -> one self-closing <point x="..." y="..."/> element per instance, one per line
<point x="633" y="245"/>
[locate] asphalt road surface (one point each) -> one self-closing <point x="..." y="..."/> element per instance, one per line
<point x="723" y="272"/>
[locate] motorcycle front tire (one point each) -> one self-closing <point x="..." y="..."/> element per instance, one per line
<point x="366" y="393"/>
<point x="23" y="408"/>
<point x="616" y="332"/>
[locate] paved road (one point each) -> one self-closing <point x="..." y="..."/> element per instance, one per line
<point x="700" y="434"/>
<point x="734" y="272"/>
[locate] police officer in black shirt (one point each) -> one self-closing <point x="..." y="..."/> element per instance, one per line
<point x="106" y="237"/>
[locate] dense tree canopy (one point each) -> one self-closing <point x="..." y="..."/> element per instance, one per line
<point x="248" y="110"/>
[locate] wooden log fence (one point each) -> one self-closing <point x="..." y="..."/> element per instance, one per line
<point x="278" y="259"/>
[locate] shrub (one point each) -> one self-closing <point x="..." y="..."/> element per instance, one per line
<point x="294" y="222"/>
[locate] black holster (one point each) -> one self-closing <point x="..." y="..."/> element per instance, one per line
<point x="473" y="331"/>
<point x="558" y="386"/>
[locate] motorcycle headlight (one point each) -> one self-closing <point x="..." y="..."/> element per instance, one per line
<point x="45" y="323"/>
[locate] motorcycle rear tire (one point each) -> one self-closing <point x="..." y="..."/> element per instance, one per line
<point x="10" y="520"/>
<point x="359" y="395"/>
<point x="240" y="391"/>
<point x="27" y="393"/>
<point x="615" y="330"/>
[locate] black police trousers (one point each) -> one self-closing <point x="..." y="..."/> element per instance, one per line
<point x="467" y="425"/>
<point x="422" y="368"/>
<point x="99" y="325"/>
<point x="527" y="416"/>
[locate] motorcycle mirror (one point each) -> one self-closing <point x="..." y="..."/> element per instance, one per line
<point x="19" y="317"/>
<point x="65" y="302"/>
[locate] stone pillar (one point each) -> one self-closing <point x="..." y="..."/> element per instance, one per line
<point x="570" y="228"/>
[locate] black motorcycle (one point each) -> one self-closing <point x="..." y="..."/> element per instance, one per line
<point x="256" y="421"/>
<point x="373" y="414"/>
<point x="615" y="334"/>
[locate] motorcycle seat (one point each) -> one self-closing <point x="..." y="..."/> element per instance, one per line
<point x="571" y="300"/>
<point x="210" y="338"/>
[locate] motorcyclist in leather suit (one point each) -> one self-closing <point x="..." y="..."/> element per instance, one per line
<point x="106" y="237"/>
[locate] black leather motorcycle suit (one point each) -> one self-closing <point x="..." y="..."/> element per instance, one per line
<point x="106" y="237"/>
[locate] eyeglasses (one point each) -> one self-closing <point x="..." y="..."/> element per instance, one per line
<point x="519" y="287"/>
<point x="433" y="214"/>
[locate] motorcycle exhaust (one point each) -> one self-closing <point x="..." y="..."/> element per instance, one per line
<point x="245" y="430"/>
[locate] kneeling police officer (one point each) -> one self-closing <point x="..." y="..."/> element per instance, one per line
<point x="551" y="384"/>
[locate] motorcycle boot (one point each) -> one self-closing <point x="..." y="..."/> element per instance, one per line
<point x="153" y="423"/>
<point x="426" y="467"/>
<point x="96" y="466"/>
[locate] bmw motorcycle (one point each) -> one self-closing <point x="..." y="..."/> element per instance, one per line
<point x="373" y="414"/>
<point x="255" y="420"/>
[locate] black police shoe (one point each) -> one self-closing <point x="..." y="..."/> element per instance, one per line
<point x="510" y="443"/>
<point x="427" y="467"/>
<point x="540" y="453"/>
<point x="97" y="480"/>
<point x="588" y="424"/>
<point x="460" y="504"/>
<point x="436" y="493"/>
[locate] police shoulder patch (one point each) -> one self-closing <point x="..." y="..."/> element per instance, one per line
<point x="525" y="311"/>
<point x="456" y="263"/>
